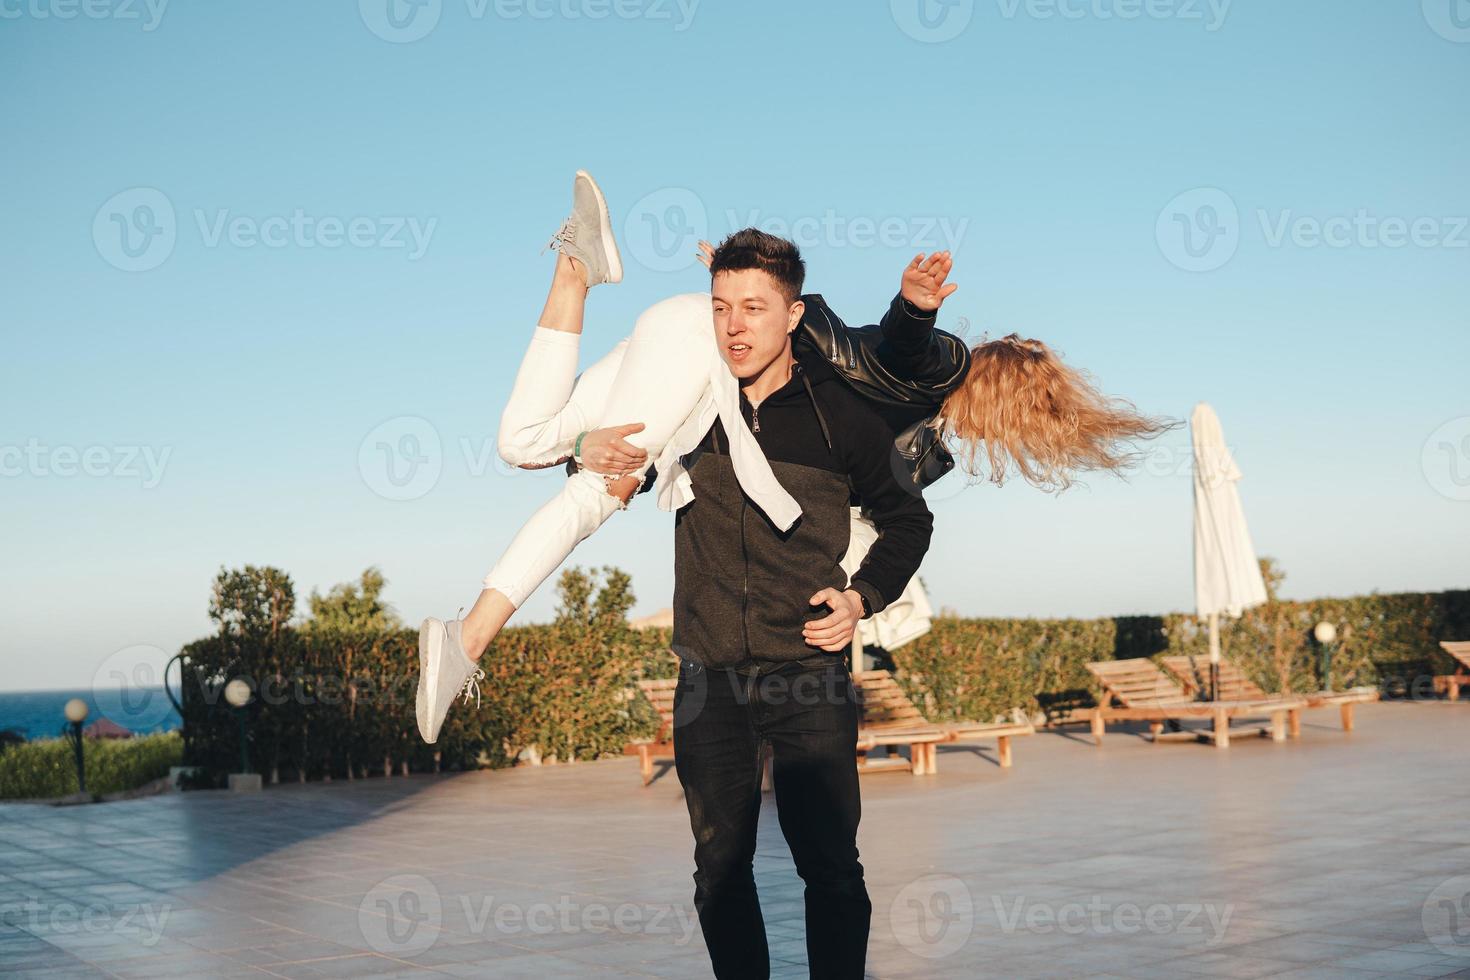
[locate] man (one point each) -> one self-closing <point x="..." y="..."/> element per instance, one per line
<point x="904" y="368"/>
<point x="760" y="652"/>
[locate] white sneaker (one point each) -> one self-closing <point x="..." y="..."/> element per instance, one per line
<point x="587" y="235"/>
<point x="445" y="672"/>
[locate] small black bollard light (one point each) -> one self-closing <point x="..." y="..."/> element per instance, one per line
<point x="76" y="712"/>
<point x="238" y="695"/>
<point x="1326" y="634"/>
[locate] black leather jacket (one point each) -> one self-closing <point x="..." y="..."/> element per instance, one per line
<point x="904" y="366"/>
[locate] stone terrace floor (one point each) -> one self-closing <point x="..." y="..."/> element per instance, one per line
<point x="1335" y="855"/>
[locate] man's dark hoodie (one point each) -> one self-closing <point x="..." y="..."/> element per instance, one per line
<point x="741" y="585"/>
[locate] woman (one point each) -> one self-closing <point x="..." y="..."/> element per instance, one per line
<point x="1007" y="402"/>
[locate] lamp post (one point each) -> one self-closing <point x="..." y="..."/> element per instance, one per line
<point x="1326" y="634"/>
<point x="76" y="712"/>
<point x="238" y="694"/>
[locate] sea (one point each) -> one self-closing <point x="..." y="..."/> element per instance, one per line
<point x="41" y="714"/>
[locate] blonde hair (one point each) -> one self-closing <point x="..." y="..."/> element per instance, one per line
<point x="1020" y="406"/>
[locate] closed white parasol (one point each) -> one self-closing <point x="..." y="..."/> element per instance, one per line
<point x="1227" y="577"/>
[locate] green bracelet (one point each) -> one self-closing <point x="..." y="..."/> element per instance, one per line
<point x="577" y="449"/>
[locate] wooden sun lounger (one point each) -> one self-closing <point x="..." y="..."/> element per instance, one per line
<point x="890" y="718"/>
<point x="660" y="694"/>
<point x="1194" y="675"/>
<point x="891" y="727"/>
<point x="1143" y="692"/>
<point x="1451" y="683"/>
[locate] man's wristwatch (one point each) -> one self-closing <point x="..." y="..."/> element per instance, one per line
<point x="867" y="610"/>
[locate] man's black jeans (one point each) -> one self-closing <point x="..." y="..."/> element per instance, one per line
<point x="809" y="713"/>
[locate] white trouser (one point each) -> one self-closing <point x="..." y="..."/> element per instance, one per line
<point x="904" y="619"/>
<point x="656" y="376"/>
<point x="649" y="377"/>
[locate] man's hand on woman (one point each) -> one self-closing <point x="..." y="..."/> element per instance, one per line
<point x="606" y="451"/>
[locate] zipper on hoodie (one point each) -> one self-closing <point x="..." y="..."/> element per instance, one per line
<point x="745" y="588"/>
<point x="744" y="553"/>
<point x="744" y="557"/>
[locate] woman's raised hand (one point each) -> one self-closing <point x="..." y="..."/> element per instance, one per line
<point x="706" y="253"/>
<point x="923" y="281"/>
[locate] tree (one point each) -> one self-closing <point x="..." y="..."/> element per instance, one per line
<point x="253" y="602"/>
<point x="352" y="618"/>
<point x="353" y="608"/>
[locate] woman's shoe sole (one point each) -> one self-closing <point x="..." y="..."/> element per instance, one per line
<point x="609" y="243"/>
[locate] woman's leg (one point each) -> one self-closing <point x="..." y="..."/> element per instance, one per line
<point x="549" y="403"/>
<point x="663" y="375"/>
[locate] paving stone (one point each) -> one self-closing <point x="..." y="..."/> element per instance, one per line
<point x="1313" y="858"/>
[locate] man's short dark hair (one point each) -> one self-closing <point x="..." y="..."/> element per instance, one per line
<point x="751" y="248"/>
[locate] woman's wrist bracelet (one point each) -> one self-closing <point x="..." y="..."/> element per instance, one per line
<point x="577" y="449"/>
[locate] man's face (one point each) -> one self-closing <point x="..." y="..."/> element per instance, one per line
<point x="752" y="321"/>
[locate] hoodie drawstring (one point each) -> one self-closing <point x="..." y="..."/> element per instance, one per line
<point x="826" y="435"/>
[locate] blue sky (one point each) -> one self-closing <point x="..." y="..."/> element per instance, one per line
<point x="333" y="218"/>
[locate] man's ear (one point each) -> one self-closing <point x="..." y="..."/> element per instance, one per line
<point x="794" y="315"/>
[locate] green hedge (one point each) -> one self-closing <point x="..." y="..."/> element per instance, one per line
<point x="335" y="703"/>
<point x="46" y="768"/>
<point x="977" y="668"/>
<point x="335" y="694"/>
